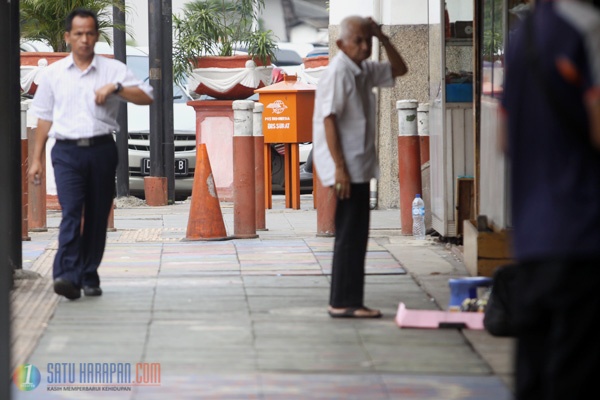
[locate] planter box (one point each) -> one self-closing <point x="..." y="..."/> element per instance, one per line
<point x="229" y="78"/>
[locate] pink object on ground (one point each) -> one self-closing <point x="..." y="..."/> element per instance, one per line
<point x="429" y="319"/>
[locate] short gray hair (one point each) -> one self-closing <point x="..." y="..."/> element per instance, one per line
<point x="349" y="24"/>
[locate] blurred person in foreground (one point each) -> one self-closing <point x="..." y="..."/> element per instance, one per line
<point x="551" y="107"/>
<point x="76" y="103"/>
<point x="345" y="154"/>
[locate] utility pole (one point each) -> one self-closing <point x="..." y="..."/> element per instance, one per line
<point x="162" y="150"/>
<point x="156" y="50"/>
<point x="122" y="136"/>
<point x="10" y="179"/>
<point x="167" y="85"/>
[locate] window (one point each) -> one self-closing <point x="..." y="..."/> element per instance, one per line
<point x="500" y="19"/>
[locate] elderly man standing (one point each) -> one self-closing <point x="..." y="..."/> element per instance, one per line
<point x="77" y="104"/>
<point x="345" y="154"/>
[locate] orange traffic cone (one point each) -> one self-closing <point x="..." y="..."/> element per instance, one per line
<point x="206" y="219"/>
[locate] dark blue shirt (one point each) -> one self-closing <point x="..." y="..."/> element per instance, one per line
<point x="555" y="171"/>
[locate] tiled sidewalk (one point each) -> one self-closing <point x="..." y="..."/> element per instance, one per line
<point x="246" y="319"/>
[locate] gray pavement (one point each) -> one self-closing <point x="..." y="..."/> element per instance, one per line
<point x="246" y="319"/>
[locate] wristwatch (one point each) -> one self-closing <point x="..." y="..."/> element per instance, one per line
<point x="118" y="87"/>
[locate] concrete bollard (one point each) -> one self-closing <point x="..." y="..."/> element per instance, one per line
<point x="244" y="200"/>
<point x="259" y="166"/>
<point x="423" y="129"/>
<point x="326" y="205"/>
<point x="409" y="162"/>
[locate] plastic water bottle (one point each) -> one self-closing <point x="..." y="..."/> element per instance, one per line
<point x="418" y="215"/>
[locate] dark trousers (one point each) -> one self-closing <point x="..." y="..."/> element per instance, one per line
<point x="350" y="248"/>
<point x="558" y="350"/>
<point x="85" y="183"/>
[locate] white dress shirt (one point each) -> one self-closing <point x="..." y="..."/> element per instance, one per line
<point x="342" y="91"/>
<point x="66" y="96"/>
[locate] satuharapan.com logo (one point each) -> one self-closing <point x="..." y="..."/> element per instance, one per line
<point x="92" y="376"/>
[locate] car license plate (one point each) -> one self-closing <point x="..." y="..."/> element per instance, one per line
<point x="181" y="166"/>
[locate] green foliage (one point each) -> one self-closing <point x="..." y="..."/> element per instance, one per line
<point x="217" y="28"/>
<point x="45" y="19"/>
<point x="260" y="44"/>
<point x="493" y="28"/>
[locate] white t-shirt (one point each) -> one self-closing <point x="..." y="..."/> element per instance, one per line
<point x="342" y="90"/>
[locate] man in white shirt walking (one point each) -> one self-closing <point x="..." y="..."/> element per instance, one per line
<point x="345" y="154"/>
<point x="77" y="104"/>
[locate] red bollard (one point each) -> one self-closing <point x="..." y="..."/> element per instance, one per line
<point x="409" y="161"/>
<point x="244" y="196"/>
<point x="326" y="202"/>
<point x="36" y="210"/>
<point x="259" y="166"/>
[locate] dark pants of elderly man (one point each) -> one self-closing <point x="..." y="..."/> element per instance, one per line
<point x="351" y="236"/>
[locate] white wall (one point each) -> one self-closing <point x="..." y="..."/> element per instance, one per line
<point x="340" y="9"/>
<point x="273" y="19"/>
<point x="404" y="12"/>
<point x="137" y="19"/>
<point x="388" y="12"/>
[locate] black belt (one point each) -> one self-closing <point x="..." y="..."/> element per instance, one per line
<point x="88" y="142"/>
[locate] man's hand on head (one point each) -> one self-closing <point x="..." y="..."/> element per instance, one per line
<point x="375" y="28"/>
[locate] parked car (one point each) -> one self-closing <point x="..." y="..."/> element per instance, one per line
<point x="318" y="51"/>
<point x="35" y="45"/>
<point x="139" y="125"/>
<point x="184" y="124"/>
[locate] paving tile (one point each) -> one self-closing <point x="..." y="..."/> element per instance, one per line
<point x="435" y="387"/>
<point x="279" y="282"/>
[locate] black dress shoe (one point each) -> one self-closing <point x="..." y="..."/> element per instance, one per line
<point x="92" y="291"/>
<point x="66" y="288"/>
